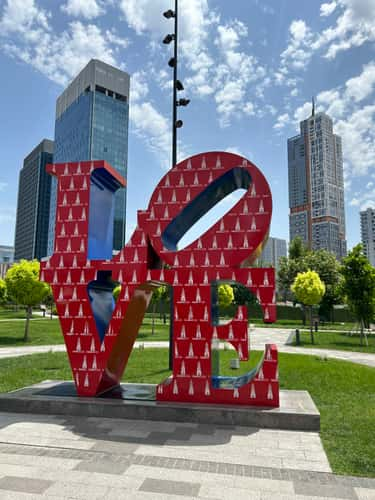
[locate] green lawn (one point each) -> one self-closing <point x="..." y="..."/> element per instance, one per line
<point x="338" y="341"/>
<point x="344" y="393"/>
<point x="44" y="331"/>
<point x="12" y="313"/>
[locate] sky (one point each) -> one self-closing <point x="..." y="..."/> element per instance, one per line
<point x="249" y="67"/>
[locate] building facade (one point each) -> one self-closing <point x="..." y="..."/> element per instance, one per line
<point x="316" y="186"/>
<point x="368" y="234"/>
<point x="92" y="116"/>
<point x="34" y="189"/>
<point x="274" y="249"/>
<point x="6" y="259"/>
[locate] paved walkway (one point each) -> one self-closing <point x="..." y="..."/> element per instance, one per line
<point x="258" y="338"/>
<point x="45" y="457"/>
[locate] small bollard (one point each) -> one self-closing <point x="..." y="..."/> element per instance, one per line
<point x="234" y="364"/>
<point x="316" y="326"/>
<point x="298" y="340"/>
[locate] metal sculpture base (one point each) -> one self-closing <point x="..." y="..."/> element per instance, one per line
<point x="297" y="410"/>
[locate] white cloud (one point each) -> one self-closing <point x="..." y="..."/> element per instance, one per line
<point x="21" y="15"/>
<point x="234" y="76"/>
<point x="59" y="56"/>
<point x="147" y="122"/>
<point x="227" y="76"/>
<point x="281" y="121"/>
<point x="354" y="26"/>
<point x="298" y="52"/>
<point x="354" y="202"/>
<point x="301" y="113"/>
<point x="235" y="150"/>
<point x="153" y="128"/>
<point x="326" y="9"/>
<point x="88" y="9"/>
<point x="362" y="86"/>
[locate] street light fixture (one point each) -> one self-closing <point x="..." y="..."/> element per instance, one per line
<point x="168" y="39"/>
<point x="182" y="102"/>
<point x="169" y="13"/>
<point x="179" y="85"/>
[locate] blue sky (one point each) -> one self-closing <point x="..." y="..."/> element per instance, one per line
<point x="249" y="67"/>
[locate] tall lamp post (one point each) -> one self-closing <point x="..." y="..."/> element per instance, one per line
<point x="177" y="86"/>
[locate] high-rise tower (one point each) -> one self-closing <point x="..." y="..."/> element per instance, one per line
<point x="368" y="234"/>
<point x="34" y="189"/>
<point x="316" y="186"/>
<point x="92" y="116"/>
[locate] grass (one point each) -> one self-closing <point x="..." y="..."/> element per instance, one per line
<point x="44" y="331"/>
<point x="337" y="341"/>
<point x="343" y="392"/>
<point x="12" y="313"/>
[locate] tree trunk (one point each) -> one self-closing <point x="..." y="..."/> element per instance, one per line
<point x="153" y="318"/>
<point x="311" y="325"/>
<point x="29" y="311"/>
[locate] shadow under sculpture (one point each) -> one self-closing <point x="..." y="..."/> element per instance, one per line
<point x="100" y="334"/>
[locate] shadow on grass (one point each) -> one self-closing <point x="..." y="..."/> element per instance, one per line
<point x="13" y="341"/>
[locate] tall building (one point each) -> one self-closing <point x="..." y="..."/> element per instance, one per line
<point x="34" y="188"/>
<point x="274" y="249"/>
<point x="368" y="234"/>
<point x="316" y="186"/>
<point x="6" y="259"/>
<point x="92" y="116"/>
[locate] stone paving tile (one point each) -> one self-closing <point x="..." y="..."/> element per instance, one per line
<point x="224" y="493"/>
<point x="67" y="489"/>
<point x="142" y="471"/>
<point x="17" y="495"/>
<point x="24" y="460"/>
<point x="365" y="494"/>
<point x="167" y="487"/>
<point x="104" y="466"/>
<point x="324" y="490"/>
<point x="114" y="447"/>
<point x="24" y="484"/>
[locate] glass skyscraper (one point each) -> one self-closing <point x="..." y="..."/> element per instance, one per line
<point x="92" y="117"/>
<point x="33" y="204"/>
<point x="316" y="186"/>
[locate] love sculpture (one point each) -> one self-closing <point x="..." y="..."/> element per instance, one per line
<point x="100" y="334"/>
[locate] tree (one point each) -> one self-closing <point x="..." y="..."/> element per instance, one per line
<point x="326" y="265"/>
<point x="158" y="295"/>
<point x="243" y="296"/>
<point x="309" y="290"/>
<point x="116" y="292"/>
<point x="225" y="295"/>
<point x="358" y="286"/>
<point x="322" y="262"/>
<point x="3" y="292"/>
<point x="24" y="287"/>
<point x="50" y="302"/>
<point x="288" y="270"/>
<point x="297" y="248"/>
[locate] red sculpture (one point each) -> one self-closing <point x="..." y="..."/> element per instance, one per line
<point x="98" y="354"/>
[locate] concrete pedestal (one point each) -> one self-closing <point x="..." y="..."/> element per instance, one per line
<point x="297" y="410"/>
